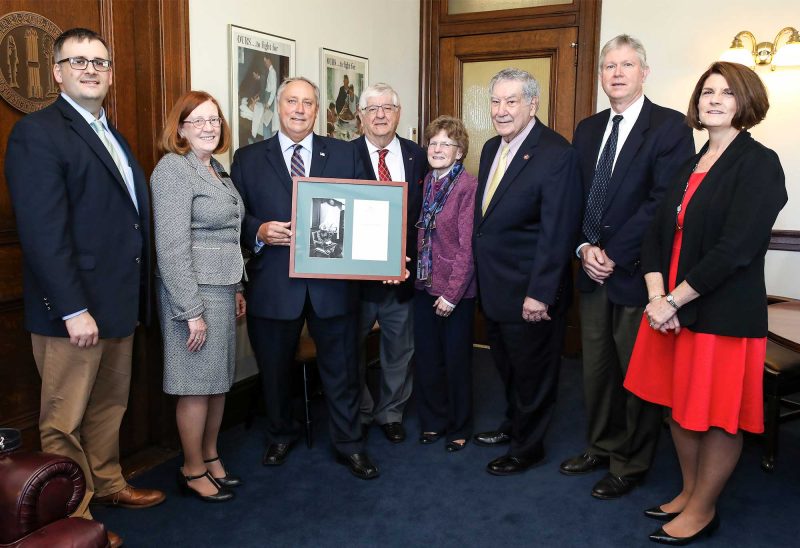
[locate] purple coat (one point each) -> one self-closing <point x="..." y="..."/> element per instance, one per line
<point x="453" y="269"/>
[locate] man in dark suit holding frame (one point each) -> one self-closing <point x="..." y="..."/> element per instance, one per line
<point x="278" y="305"/>
<point x="83" y="216"/>
<point x="627" y="154"/>
<point x="527" y="211"/>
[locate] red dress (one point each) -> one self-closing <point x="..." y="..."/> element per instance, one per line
<point x="708" y="380"/>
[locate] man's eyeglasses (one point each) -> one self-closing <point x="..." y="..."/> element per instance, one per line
<point x="80" y="63"/>
<point x="372" y="110"/>
<point x="200" y="123"/>
<point x="447" y="146"/>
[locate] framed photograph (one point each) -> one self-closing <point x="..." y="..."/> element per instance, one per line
<point x="348" y="229"/>
<point x="259" y="62"/>
<point x="342" y="79"/>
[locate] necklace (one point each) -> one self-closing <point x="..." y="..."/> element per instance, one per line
<point x="678" y="209"/>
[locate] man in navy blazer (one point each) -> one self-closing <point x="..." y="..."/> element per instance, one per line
<point x="527" y="211"/>
<point x="623" y="184"/>
<point x="278" y="305"/>
<point x="83" y="216"/>
<point x="386" y="156"/>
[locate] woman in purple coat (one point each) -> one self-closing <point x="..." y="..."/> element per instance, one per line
<point x="445" y="298"/>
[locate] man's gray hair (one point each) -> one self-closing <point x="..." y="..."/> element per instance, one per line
<point x="621" y="41"/>
<point x="530" y="87"/>
<point x="288" y="81"/>
<point x="376" y="90"/>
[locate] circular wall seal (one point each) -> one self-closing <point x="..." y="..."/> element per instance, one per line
<point x="26" y="60"/>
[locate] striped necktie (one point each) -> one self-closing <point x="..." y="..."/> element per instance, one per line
<point x="98" y="128"/>
<point x="298" y="167"/>
<point x="383" y="169"/>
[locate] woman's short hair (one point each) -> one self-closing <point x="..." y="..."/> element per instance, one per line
<point x="454" y="128"/>
<point x="752" y="103"/>
<point x="171" y="141"/>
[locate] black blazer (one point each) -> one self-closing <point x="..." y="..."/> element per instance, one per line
<point x="84" y="244"/>
<point x="262" y="179"/>
<point x="726" y="234"/>
<point x="523" y="245"/>
<point x="415" y="162"/>
<point x="658" y="144"/>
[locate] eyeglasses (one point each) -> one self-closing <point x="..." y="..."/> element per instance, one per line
<point x="446" y="146"/>
<point x="372" y="110"/>
<point x="80" y="63"/>
<point x="200" y="123"/>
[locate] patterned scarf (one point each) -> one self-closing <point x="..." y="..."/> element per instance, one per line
<point x="427" y="220"/>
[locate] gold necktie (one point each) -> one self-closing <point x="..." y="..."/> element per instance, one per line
<point x="498" y="174"/>
<point x="98" y="128"/>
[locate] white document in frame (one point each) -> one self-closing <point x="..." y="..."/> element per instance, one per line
<point x="370" y="230"/>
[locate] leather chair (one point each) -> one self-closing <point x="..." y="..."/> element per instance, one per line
<point x="38" y="491"/>
<point x="781" y="379"/>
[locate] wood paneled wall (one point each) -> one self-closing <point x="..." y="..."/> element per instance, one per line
<point x="149" y="41"/>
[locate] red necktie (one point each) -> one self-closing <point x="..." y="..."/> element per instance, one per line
<point x="383" y="171"/>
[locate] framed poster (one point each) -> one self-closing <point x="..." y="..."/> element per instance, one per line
<point x="342" y="79"/>
<point x="258" y="62"/>
<point x="348" y="229"/>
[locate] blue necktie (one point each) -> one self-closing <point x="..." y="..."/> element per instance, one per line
<point x="298" y="167"/>
<point x="597" y="194"/>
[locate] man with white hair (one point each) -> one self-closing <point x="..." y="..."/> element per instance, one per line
<point x="628" y="154"/>
<point x="527" y="211"/>
<point x="386" y="156"/>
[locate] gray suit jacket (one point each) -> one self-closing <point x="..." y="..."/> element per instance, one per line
<point x="197" y="223"/>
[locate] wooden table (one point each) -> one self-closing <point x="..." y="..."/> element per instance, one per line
<point x="784" y="324"/>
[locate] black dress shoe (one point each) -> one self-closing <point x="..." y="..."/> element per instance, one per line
<point x="394" y="432"/>
<point x="582" y="464"/>
<point x="508" y="465"/>
<point x="492" y="437"/>
<point x="276" y="453"/>
<point x="662" y="537"/>
<point x="657" y="513"/>
<point x="613" y="487"/>
<point x="426" y="438"/>
<point x="453" y="446"/>
<point x="221" y="495"/>
<point x="359" y="464"/>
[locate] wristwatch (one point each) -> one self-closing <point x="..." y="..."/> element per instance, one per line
<point x="671" y="300"/>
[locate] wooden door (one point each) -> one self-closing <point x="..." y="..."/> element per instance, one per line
<point x="466" y="63"/>
<point x="148" y="40"/>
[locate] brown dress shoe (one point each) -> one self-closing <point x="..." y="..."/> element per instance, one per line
<point x="114" y="540"/>
<point x="130" y="497"/>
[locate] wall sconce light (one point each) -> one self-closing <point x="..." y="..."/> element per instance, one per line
<point x="765" y="53"/>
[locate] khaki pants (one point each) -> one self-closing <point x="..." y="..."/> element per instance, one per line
<point x="84" y="396"/>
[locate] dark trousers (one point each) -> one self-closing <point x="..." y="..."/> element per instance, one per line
<point x="443" y="375"/>
<point x="621" y="426"/>
<point x="275" y="344"/>
<point x="528" y="356"/>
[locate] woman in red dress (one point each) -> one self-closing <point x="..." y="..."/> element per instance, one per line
<point x="701" y="346"/>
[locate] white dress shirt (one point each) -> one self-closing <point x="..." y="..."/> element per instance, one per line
<point x="394" y="159"/>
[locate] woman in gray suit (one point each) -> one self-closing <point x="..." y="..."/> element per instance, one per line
<point x="197" y="214"/>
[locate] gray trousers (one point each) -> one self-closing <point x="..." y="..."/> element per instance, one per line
<point x="621" y="426"/>
<point x="396" y="350"/>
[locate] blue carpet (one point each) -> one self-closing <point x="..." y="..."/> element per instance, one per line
<point x="426" y="496"/>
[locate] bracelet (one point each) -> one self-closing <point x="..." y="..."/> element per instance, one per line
<point x="655" y="297"/>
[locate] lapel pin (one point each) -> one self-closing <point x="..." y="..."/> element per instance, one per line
<point x="526" y="157"/>
<point x="322" y="154"/>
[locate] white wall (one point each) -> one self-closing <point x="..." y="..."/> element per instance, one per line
<point x="384" y="31"/>
<point x="682" y="38"/>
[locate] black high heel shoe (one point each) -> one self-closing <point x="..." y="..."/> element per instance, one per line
<point x="228" y="480"/>
<point x="427" y="438"/>
<point x="662" y="537"/>
<point x="657" y="513"/>
<point x="221" y="495"/>
<point x="453" y="446"/>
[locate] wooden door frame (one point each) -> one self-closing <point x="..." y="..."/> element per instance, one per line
<point x="436" y="23"/>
